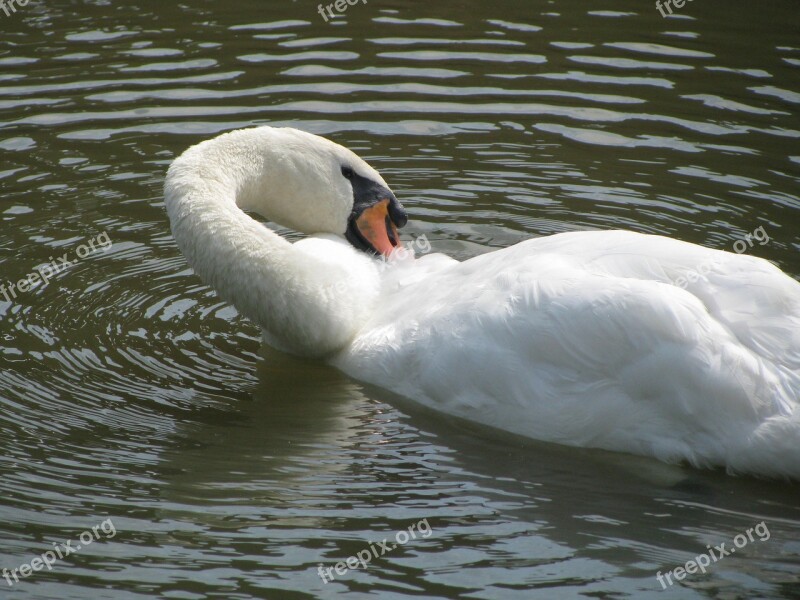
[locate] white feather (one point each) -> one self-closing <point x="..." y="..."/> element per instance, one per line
<point x="585" y="339"/>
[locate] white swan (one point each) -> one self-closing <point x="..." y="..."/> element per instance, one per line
<point x="579" y="338"/>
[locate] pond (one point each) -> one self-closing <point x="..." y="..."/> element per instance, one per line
<point x="136" y="402"/>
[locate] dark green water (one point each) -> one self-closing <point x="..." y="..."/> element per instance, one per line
<point x="129" y="392"/>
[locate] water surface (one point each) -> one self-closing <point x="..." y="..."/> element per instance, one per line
<point x="130" y="392"/>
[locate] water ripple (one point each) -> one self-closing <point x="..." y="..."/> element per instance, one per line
<point x="130" y="390"/>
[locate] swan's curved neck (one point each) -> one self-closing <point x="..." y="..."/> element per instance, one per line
<point x="309" y="300"/>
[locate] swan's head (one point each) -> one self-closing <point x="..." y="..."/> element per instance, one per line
<point x="310" y="297"/>
<point x="317" y="186"/>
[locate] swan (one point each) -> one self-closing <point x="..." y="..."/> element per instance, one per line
<point x="603" y="339"/>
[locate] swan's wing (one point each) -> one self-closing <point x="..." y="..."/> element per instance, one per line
<point x="587" y="339"/>
<point x="758" y="303"/>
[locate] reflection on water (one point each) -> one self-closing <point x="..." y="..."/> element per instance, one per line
<point x="129" y="391"/>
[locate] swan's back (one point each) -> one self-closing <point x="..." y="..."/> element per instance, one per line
<point x="606" y="339"/>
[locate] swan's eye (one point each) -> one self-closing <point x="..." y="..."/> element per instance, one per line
<point x="347" y="172"/>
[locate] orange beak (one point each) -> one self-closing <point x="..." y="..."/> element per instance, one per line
<point x="377" y="228"/>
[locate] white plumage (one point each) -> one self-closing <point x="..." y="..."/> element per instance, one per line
<point x="584" y="339"/>
<point x="581" y="338"/>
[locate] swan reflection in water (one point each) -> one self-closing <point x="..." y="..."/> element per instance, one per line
<point x="313" y="460"/>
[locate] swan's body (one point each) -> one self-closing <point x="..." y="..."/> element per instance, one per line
<point x="580" y="338"/>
